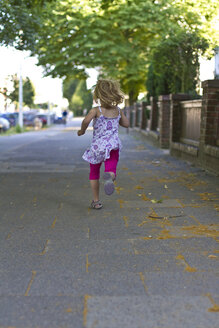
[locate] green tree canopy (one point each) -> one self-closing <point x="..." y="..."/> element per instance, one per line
<point x="68" y="88"/>
<point x="174" y="58"/>
<point x="81" y="98"/>
<point x="20" y="22"/>
<point x="28" y="91"/>
<point x="14" y="95"/>
<point x="120" y="37"/>
<point x="175" y="64"/>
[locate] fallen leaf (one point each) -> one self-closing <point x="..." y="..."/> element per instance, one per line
<point x="118" y="189"/>
<point x="144" y="197"/>
<point x="208" y="196"/>
<point x="139" y="187"/>
<point x="155" y="201"/>
<point x="121" y="202"/>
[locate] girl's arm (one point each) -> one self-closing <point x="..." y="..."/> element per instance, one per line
<point x="123" y="120"/>
<point x="86" y="121"/>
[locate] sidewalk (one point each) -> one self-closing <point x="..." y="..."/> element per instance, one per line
<point x="148" y="259"/>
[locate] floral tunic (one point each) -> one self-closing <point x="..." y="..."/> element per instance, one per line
<point x="105" y="139"/>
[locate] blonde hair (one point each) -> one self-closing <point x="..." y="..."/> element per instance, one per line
<point x="108" y="92"/>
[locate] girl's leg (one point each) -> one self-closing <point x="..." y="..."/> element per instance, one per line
<point x="94" y="180"/>
<point x="111" y="163"/>
<point x="95" y="189"/>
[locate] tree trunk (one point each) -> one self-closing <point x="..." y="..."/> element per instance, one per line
<point x="132" y="98"/>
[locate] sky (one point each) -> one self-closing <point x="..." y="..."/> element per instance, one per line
<point x="47" y="89"/>
<point x="50" y="89"/>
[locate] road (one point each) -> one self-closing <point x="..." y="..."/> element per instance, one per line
<point x="148" y="259"/>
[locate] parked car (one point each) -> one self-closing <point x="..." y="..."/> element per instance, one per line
<point x="52" y="118"/>
<point x="11" y="117"/>
<point x="4" y="116"/>
<point x="4" y="124"/>
<point x="58" y="120"/>
<point x="43" y="118"/>
<point x="28" y="119"/>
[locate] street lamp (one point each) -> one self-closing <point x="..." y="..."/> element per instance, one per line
<point x="20" y="117"/>
<point x="48" y="115"/>
<point x="216" y="72"/>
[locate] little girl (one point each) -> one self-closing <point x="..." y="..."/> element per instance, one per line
<point x="106" y="144"/>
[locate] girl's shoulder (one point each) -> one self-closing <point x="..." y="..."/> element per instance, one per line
<point x="94" y="111"/>
<point x="98" y="111"/>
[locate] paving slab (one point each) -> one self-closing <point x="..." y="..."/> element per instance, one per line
<point x="186" y="283"/>
<point x="68" y="282"/>
<point x="41" y="311"/>
<point x="133" y="263"/>
<point x="202" y="262"/>
<point x="150" y="312"/>
<point x="90" y="246"/>
<point x="14" y="282"/>
<point x="175" y="245"/>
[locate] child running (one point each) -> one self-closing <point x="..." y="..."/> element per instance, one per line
<point x="106" y="145"/>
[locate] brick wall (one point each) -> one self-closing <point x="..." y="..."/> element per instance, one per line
<point x="154" y="114"/>
<point x="164" y="120"/>
<point x="171" y="125"/>
<point x="144" y="120"/>
<point x="210" y="113"/>
<point x="209" y="132"/>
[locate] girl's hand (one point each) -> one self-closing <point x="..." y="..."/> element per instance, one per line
<point x="80" y="133"/>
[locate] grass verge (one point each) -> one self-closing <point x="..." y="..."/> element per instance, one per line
<point x="16" y="129"/>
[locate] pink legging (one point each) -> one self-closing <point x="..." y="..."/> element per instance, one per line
<point x="110" y="165"/>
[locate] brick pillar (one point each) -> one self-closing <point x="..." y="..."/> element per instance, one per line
<point x="164" y="120"/>
<point x="209" y="133"/>
<point x="144" y="119"/>
<point x="175" y="116"/>
<point x="154" y="114"/>
<point x="210" y="113"/>
<point x="138" y="115"/>
<point x="132" y="116"/>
